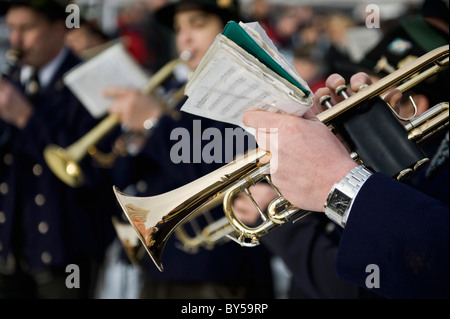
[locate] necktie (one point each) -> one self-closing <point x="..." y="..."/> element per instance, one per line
<point x="32" y="86"/>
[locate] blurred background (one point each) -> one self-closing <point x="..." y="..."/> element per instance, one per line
<point x="312" y="34"/>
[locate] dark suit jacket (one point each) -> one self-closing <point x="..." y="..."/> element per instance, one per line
<point x="45" y="221"/>
<point x="405" y="233"/>
<point x="400" y="227"/>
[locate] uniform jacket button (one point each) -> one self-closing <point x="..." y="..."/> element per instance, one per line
<point x="141" y="186"/>
<point x="330" y="227"/>
<point x="39" y="200"/>
<point x="46" y="257"/>
<point x="43" y="227"/>
<point x="8" y="159"/>
<point x="37" y="170"/>
<point x="4" y="188"/>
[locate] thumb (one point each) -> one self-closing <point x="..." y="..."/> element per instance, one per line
<point x="268" y="120"/>
<point x="261" y="119"/>
<point x="310" y="115"/>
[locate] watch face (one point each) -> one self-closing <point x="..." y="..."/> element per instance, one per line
<point x="339" y="202"/>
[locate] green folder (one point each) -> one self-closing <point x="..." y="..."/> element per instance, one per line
<point x="238" y="35"/>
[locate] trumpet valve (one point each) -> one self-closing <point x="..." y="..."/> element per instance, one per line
<point x="422" y="163"/>
<point x="342" y="91"/>
<point x="325" y="100"/>
<point x="405" y="174"/>
<point x="362" y="87"/>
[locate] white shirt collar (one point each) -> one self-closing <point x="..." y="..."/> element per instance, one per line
<point x="47" y="72"/>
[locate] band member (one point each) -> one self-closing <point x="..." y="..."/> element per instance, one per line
<point x="227" y="271"/>
<point x="45" y="225"/>
<point x="382" y="206"/>
<point x="400" y="230"/>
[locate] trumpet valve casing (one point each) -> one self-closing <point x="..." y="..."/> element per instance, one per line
<point x="380" y="140"/>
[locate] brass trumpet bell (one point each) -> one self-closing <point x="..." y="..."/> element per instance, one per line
<point x="155" y="218"/>
<point x="64" y="162"/>
<point x="63" y="165"/>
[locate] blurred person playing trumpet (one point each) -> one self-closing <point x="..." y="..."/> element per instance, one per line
<point x="227" y="271"/>
<point x="401" y="231"/>
<point x="44" y="224"/>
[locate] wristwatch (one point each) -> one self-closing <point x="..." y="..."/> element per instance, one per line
<point x="342" y="194"/>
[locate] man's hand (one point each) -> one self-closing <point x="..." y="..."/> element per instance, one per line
<point x="14" y="107"/>
<point x="307" y="158"/>
<point x="133" y="107"/>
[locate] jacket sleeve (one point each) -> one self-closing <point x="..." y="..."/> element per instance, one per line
<point x="308" y="247"/>
<point x="401" y="237"/>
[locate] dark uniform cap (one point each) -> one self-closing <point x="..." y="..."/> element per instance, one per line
<point x="412" y="38"/>
<point x="226" y="9"/>
<point x="53" y="9"/>
<point x="435" y="8"/>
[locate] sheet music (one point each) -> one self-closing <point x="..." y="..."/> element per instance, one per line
<point x="258" y="34"/>
<point x="114" y="67"/>
<point x="230" y="81"/>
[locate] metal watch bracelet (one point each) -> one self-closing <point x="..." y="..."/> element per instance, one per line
<point x="342" y="194"/>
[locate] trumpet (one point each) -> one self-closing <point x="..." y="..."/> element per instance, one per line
<point x="190" y="239"/>
<point x="64" y="162"/>
<point x="155" y="218"/>
<point x="13" y="57"/>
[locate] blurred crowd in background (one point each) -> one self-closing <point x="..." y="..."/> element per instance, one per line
<point x="318" y="37"/>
